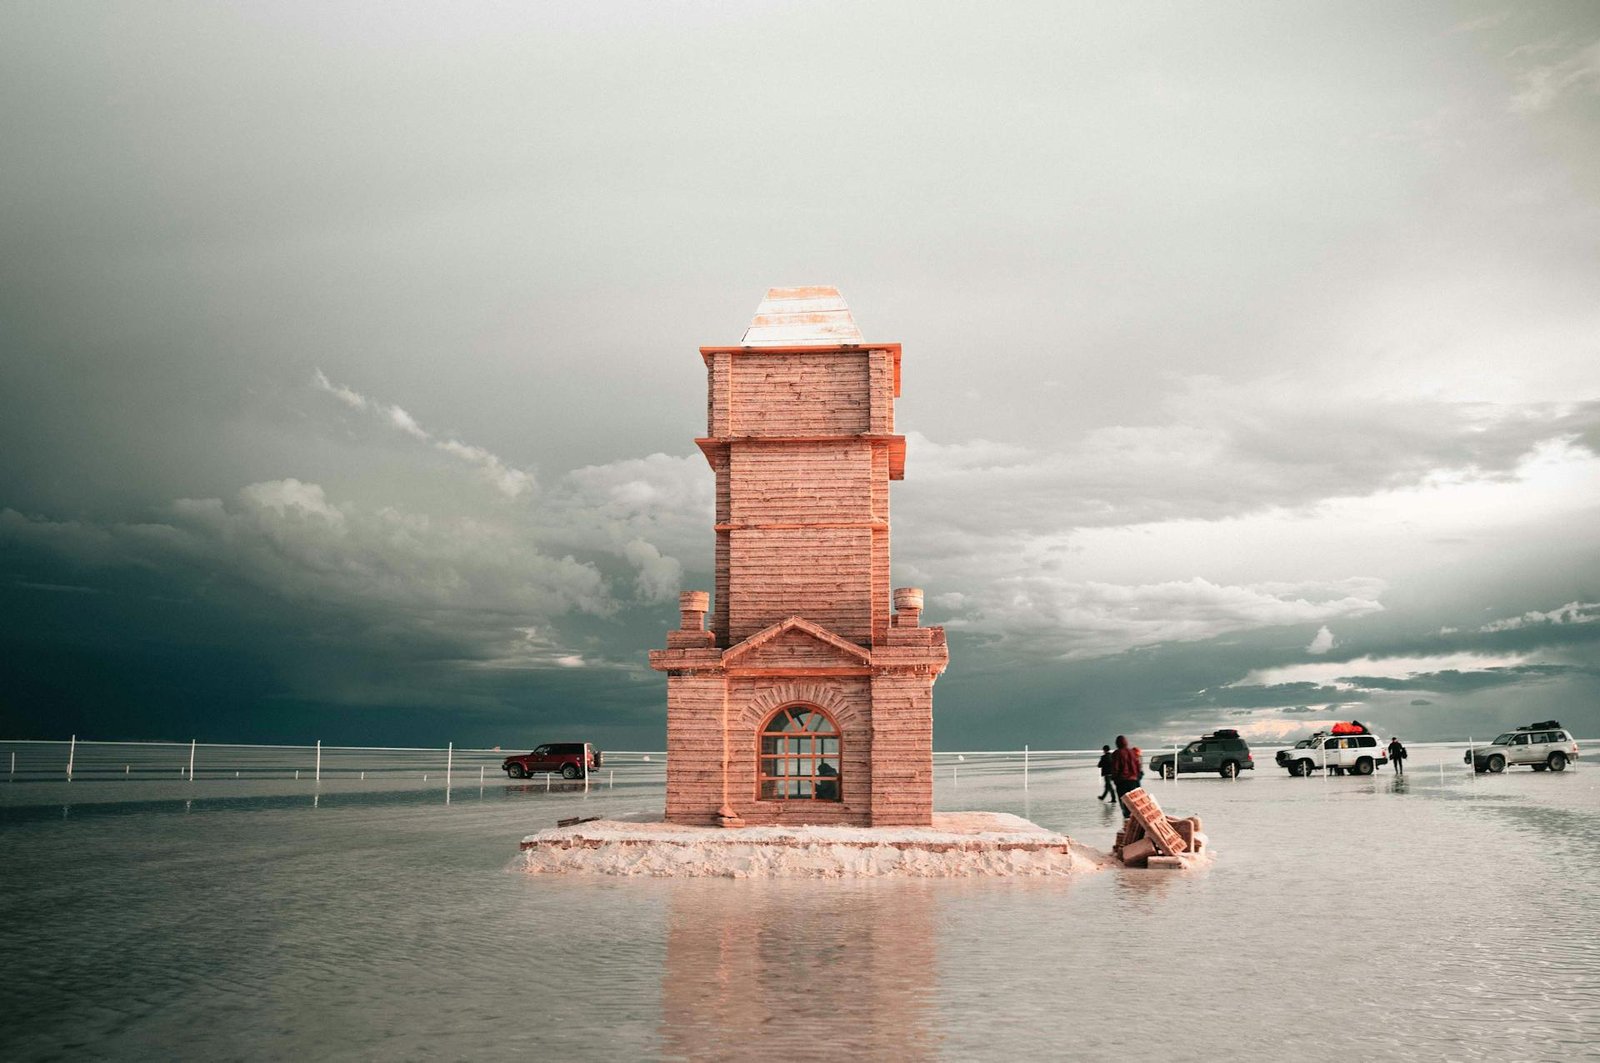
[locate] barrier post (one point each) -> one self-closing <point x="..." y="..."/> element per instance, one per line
<point x="72" y="751"/>
<point x="1024" y="765"/>
<point x="191" y="760"/>
<point x="449" y="765"/>
<point x="319" y="761"/>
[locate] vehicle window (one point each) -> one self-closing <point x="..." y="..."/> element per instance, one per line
<point x="1194" y="747"/>
<point x="1367" y="740"/>
<point x="542" y="751"/>
<point x="1504" y="740"/>
<point x="569" y="747"/>
<point x="1542" y="736"/>
<point x="1559" y="736"/>
<point x="1522" y="740"/>
<point x="1234" y="744"/>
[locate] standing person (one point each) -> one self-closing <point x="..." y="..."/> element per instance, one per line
<point x="1106" y="789"/>
<point x="1397" y="756"/>
<point x="1126" y="768"/>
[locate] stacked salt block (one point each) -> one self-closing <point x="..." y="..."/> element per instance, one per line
<point x="1150" y="838"/>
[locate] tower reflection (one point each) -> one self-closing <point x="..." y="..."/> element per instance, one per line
<point x="796" y="969"/>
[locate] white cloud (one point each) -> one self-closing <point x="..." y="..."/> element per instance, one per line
<point x="1573" y="612"/>
<point x="508" y="480"/>
<point x="1322" y="641"/>
<point x="1337" y="674"/>
<point x="1539" y="87"/>
<point x="660" y="578"/>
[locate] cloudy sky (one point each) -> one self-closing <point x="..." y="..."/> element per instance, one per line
<point x="348" y="371"/>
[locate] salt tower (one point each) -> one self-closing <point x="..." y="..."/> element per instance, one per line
<point x="805" y="701"/>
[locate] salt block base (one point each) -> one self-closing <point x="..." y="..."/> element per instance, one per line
<point x="958" y="845"/>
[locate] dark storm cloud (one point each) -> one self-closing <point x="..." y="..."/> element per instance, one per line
<point x="347" y="353"/>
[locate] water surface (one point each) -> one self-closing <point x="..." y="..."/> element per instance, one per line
<point x="148" y="917"/>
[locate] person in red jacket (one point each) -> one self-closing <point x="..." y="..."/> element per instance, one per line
<point x="1126" y="769"/>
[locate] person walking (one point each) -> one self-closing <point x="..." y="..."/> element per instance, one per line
<point x="1107" y="791"/>
<point x="1126" y="769"/>
<point x="1397" y="756"/>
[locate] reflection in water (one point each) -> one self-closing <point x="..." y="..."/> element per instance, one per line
<point x="799" y="968"/>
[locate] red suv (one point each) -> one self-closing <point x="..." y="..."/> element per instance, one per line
<point x="571" y="759"/>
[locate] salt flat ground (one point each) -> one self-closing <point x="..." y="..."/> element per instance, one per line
<point x="1443" y="916"/>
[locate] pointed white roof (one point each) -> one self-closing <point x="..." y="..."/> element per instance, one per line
<point x="802" y="317"/>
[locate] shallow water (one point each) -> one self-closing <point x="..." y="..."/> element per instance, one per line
<point x="1445" y="916"/>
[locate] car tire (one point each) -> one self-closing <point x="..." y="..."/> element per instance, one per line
<point x="1230" y="769"/>
<point x="1364" y="766"/>
<point x="1295" y="770"/>
<point x="1558" y="762"/>
<point x="1306" y="768"/>
<point x="569" y="771"/>
<point x="517" y="771"/>
<point x="1167" y="771"/>
<point x="1497" y="764"/>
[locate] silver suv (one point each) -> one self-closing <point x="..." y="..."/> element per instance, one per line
<point x="1540" y="746"/>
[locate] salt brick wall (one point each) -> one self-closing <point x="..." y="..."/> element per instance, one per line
<point x="822" y="574"/>
<point x="799" y="395"/>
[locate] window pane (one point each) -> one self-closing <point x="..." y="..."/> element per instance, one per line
<point x="771" y="745"/>
<point x="830" y="745"/>
<point x="801" y="788"/>
<point x="769" y="767"/>
<point x="798" y="745"/>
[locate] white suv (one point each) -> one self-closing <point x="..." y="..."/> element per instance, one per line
<point x="1357" y="754"/>
<point x="1538" y="745"/>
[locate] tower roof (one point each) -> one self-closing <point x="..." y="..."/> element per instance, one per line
<point x="800" y="317"/>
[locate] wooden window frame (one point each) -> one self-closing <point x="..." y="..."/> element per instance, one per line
<point x="812" y="753"/>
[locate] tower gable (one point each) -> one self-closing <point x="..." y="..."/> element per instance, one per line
<point x="796" y="645"/>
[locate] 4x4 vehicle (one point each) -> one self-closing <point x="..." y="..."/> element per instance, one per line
<point x="1284" y="756"/>
<point x="1538" y="745"/>
<point x="1223" y="752"/>
<point x="1358" y="754"/>
<point x="572" y="759"/>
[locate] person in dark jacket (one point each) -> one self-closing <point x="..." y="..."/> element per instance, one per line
<point x="1106" y="789"/>
<point x="1126" y="768"/>
<point x="1397" y="756"/>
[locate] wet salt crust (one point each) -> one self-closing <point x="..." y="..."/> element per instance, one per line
<point x="1443" y="915"/>
<point x="958" y="845"/>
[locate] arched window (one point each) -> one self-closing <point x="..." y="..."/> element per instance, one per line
<point x="800" y="756"/>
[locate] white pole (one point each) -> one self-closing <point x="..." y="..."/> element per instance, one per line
<point x="297" y="774"/>
<point x="480" y="774"/>
<point x="1024" y="765"/>
<point x="13" y="762"/>
<point x="319" y="761"/>
<point x="449" y="765"/>
<point x="547" y="782"/>
<point x="191" y="760"/>
<point x="125" y="769"/>
<point x="611" y="781"/>
<point x="586" y="767"/>
<point x="1174" y="765"/>
<point x="72" y="751"/>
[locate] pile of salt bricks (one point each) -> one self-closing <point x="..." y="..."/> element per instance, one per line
<point x="1150" y="838"/>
